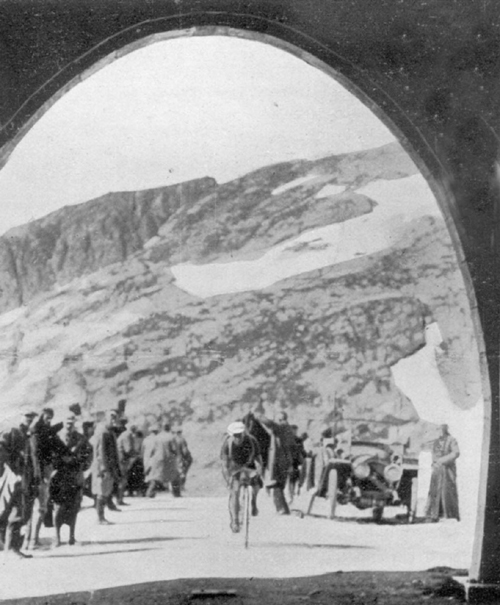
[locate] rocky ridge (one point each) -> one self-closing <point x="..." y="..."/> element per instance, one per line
<point x="102" y="317"/>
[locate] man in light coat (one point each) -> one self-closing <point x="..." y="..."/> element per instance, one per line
<point x="161" y="463"/>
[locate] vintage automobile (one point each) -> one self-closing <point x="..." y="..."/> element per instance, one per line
<point x="365" y="473"/>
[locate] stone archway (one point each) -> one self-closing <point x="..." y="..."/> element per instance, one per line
<point x="440" y="98"/>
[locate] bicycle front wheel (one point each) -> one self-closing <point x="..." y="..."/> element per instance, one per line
<point x="246" y="512"/>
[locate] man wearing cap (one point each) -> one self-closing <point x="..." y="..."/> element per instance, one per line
<point x="46" y="447"/>
<point x="66" y="486"/>
<point x="105" y="465"/>
<point x="240" y="451"/>
<point x="17" y="484"/>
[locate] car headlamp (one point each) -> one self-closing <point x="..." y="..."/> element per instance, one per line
<point x="393" y="472"/>
<point x="361" y="470"/>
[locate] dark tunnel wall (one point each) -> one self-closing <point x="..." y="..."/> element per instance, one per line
<point x="431" y="67"/>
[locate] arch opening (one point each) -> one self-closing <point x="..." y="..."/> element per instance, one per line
<point x="223" y="268"/>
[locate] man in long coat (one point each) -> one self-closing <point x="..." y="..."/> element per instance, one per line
<point x="46" y="447"/>
<point x="17" y="484"/>
<point x="66" y="485"/>
<point x="280" y="461"/>
<point x="105" y="465"/>
<point x="127" y="454"/>
<point x="443" y="494"/>
<point x="161" y="463"/>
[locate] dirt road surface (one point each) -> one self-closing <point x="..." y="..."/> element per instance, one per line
<point x="166" y="538"/>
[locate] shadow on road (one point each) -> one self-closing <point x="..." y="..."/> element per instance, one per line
<point x="307" y="545"/>
<point x="89" y="553"/>
<point x="152" y="522"/>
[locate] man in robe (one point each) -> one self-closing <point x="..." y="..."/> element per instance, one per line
<point x="442" y="501"/>
<point x="17" y="484"/>
<point x="105" y="465"/>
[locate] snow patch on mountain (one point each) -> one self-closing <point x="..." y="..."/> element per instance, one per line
<point x="398" y="202"/>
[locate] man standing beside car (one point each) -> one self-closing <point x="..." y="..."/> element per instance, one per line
<point x="443" y="494"/>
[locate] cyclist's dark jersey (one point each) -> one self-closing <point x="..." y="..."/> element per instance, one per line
<point x="243" y="454"/>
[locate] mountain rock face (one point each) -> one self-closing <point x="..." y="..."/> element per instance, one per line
<point x="92" y="312"/>
<point x="79" y="240"/>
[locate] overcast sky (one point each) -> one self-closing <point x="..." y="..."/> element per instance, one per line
<point x="176" y="110"/>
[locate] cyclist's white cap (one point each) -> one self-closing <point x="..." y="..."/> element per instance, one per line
<point x="235" y="428"/>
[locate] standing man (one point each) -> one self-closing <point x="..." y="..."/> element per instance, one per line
<point x="66" y="486"/>
<point x="88" y="429"/>
<point x="161" y="467"/>
<point x="240" y="451"/>
<point x="105" y="465"/>
<point x="46" y="446"/>
<point x="280" y="463"/>
<point x="127" y="454"/>
<point x="184" y="458"/>
<point x="298" y="459"/>
<point x="148" y="449"/>
<point x="17" y="484"/>
<point x="443" y="493"/>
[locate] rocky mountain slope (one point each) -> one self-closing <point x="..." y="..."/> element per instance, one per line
<point x="92" y="312"/>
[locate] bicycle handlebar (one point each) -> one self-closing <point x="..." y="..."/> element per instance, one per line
<point x="245" y="473"/>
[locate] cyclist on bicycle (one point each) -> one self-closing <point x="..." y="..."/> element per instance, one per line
<point x="241" y="457"/>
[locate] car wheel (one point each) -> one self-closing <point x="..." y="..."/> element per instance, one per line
<point x="378" y="513"/>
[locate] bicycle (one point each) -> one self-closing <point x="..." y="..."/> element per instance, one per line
<point x="245" y="476"/>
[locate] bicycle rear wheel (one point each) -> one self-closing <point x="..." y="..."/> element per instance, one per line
<point x="246" y="512"/>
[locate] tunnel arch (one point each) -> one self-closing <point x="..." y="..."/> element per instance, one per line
<point x="269" y="25"/>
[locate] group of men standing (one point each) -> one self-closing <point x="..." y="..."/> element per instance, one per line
<point x="46" y="469"/>
<point x="42" y="470"/>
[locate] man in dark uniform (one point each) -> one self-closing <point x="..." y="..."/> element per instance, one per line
<point x="280" y="463"/>
<point x="105" y="464"/>
<point x="46" y="446"/>
<point x="240" y="451"/>
<point x="66" y="486"/>
<point x="17" y="484"/>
